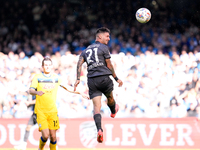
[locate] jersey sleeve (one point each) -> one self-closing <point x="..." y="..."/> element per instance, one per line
<point x="83" y="55"/>
<point x="106" y="52"/>
<point x="34" y="83"/>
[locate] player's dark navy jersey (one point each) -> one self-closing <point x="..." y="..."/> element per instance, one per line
<point x="94" y="55"/>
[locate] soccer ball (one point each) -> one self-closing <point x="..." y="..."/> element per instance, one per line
<point x="143" y="15"/>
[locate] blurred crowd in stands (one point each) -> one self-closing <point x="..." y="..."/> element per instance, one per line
<point x="159" y="62"/>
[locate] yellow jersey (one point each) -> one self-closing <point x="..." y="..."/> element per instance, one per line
<point x="49" y="85"/>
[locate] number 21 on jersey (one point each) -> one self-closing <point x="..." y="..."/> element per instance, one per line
<point x="92" y="52"/>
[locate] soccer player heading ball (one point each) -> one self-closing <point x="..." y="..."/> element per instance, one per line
<point x="99" y="68"/>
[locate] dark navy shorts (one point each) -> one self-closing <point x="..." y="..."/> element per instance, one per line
<point x="98" y="85"/>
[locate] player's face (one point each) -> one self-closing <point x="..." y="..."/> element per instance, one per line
<point x="47" y="66"/>
<point x="105" y="38"/>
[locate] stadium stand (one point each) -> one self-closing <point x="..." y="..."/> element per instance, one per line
<point x="159" y="62"/>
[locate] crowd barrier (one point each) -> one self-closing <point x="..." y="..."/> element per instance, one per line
<point x="138" y="133"/>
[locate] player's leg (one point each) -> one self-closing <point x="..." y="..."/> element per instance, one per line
<point x="53" y="141"/>
<point x="43" y="138"/>
<point x="112" y="104"/>
<point x="107" y="88"/>
<point x="95" y="95"/>
<point x="97" y="108"/>
<point x="23" y="145"/>
<point x="97" y="117"/>
<point x="32" y="121"/>
<point x="26" y="135"/>
<point x="43" y="127"/>
<point x="54" y="125"/>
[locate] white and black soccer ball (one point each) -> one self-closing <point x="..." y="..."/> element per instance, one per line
<point x="143" y="15"/>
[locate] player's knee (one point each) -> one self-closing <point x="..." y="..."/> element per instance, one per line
<point x="45" y="137"/>
<point x="53" y="138"/>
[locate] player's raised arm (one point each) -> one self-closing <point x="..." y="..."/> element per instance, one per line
<point x="79" y="67"/>
<point x="75" y="92"/>
<point x="110" y="66"/>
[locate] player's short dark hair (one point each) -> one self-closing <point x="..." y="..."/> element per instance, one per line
<point x="102" y="30"/>
<point x="46" y="58"/>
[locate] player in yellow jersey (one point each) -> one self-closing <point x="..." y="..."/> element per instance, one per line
<point x="44" y="86"/>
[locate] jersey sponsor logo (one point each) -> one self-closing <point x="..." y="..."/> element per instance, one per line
<point x="94" y="65"/>
<point x="49" y="86"/>
<point x="88" y="134"/>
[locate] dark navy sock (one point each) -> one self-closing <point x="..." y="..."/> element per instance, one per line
<point x="112" y="108"/>
<point x="97" y="119"/>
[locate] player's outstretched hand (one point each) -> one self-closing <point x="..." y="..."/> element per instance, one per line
<point x="40" y="93"/>
<point x="76" y="84"/>
<point x="85" y="96"/>
<point x="120" y="82"/>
